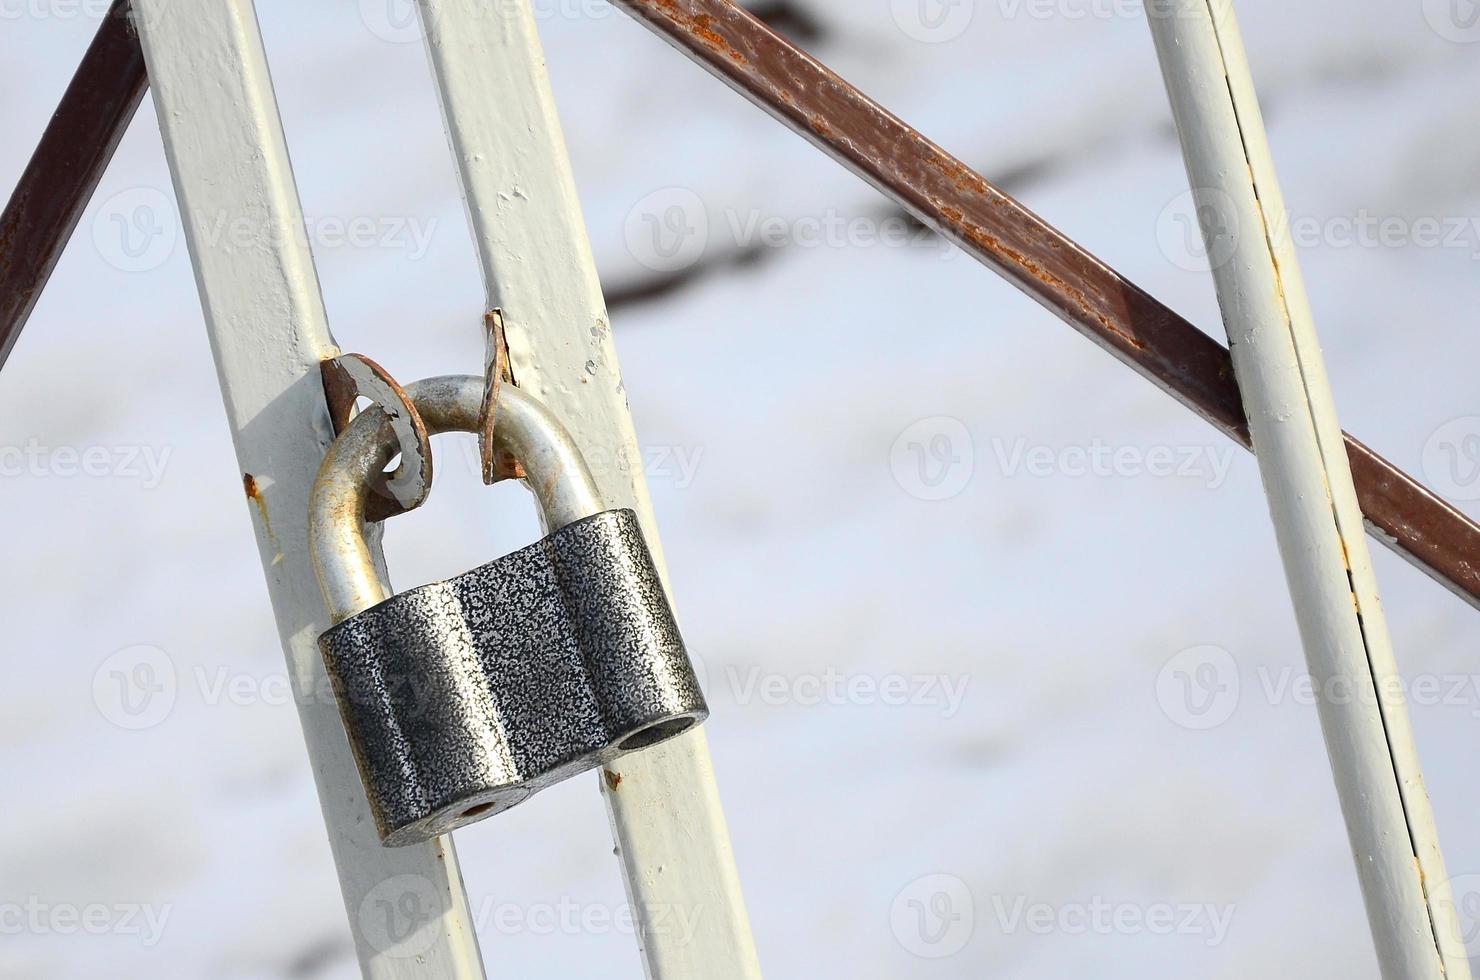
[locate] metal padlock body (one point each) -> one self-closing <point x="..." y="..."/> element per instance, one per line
<point x="464" y="697"/>
<point x="473" y="693"/>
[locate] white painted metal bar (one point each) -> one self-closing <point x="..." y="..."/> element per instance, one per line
<point x="229" y="161"/>
<point x="1318" y="524"/>
<point x="536" y="260"/>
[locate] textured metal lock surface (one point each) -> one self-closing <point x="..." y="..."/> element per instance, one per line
<point x="463" y="697"/>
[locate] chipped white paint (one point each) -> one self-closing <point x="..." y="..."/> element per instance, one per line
<point x="537" y="267"/>
<point x="1307" y="478"/>
<point x="268" y="332"/>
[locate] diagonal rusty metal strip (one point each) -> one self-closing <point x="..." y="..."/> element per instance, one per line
<point x="1008" y="238"/>
<point x="858" y="132"/>
<point x="63" y="172"/>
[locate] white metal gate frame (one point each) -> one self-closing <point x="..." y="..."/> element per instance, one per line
<point x="1308" y="482"/>
<point x="269" y="333"/>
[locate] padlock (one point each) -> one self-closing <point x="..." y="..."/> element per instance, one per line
<point x="462" y="698"/>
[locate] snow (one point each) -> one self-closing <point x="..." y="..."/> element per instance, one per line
<point x="771" y="396"/>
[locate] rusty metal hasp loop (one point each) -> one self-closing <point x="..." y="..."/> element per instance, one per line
<point x="464" y="697"/>
<point x="352" y="376"/>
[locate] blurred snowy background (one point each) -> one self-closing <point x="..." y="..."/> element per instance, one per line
<point x="952" y="659"/>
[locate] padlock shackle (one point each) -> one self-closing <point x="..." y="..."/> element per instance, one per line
<point x="523" y="428"/>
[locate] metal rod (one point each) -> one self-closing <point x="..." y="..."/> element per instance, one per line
<point x="1006" y="237"/>
<point x="265" y="317"/>
<point x="64" y="170"/>
<point x="1307" y="479"/>
<point x="999" y="232"/>
<point x="672" y="840"/>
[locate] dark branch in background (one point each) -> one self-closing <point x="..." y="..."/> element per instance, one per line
<point x="796" y="22"/>
<point x="627" y="296"/>
<point x="317" y="957"/>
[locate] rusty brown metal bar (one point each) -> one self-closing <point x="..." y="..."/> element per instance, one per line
<point x="858" y="132"/>
<point x="63" y="172"/>
<point x="1008" y="238"/>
